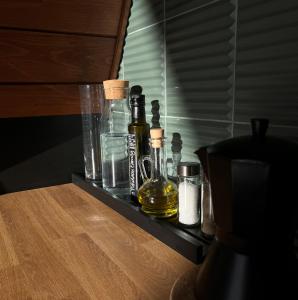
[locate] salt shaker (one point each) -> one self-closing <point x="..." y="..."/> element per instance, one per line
<point x="189" y="193"/>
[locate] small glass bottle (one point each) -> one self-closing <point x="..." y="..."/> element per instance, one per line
<point x="158" y="195"/>
<point x="207" y="217"/>
<point x="113" y="137"/>
<point x="189" y="193"/>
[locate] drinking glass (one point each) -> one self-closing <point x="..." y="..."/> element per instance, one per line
<point x="91" y="96"/>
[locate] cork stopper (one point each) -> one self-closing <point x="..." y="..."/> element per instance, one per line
<point x="156" y="135"/>
<point x="115" y="89"/>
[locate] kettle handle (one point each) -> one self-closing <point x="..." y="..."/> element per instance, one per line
<point x="259" y="128"/>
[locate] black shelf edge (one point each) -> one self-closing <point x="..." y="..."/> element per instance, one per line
<point x="188" y="242"/>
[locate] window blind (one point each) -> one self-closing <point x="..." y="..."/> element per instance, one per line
<point x="267" y="60"/>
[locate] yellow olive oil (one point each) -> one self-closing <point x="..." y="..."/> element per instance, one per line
<point x="159" y="198"/>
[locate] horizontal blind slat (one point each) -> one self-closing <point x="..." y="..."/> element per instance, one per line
<point x="267" y="59"/>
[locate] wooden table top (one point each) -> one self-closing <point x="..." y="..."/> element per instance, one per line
<point x="61" y="243"/>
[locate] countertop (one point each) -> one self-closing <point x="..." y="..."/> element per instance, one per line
<point x="61" y="243"/>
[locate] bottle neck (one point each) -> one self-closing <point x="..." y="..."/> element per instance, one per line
<point x="115" y="114"/>
<point x="176" y="161"/>
<point x="158" y="167"/>
<point x="138" y="114"/>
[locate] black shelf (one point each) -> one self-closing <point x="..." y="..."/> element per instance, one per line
<point x="187" y="241"/>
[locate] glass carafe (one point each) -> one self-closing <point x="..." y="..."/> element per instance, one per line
<point x="113" y="137"/>
<point x="158" y="196"/>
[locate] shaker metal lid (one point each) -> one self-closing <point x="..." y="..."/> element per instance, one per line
<point x="188" y="169"/>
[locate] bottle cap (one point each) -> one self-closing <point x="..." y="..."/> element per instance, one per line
<point x="115" y="89"/>
<point x="155" y="114"/>
<point x="188" y="169"/>
<point x="138" y="101"/>
<point x="136" y="91"/>
<point x="156" y="135"/>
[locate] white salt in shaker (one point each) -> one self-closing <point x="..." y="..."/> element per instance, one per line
<point x="189" y="193"/>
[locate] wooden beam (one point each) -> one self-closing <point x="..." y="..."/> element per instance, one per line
<point x="120" y="38"/>
<point x="97" y="17"/>
<point x="39" y="100"/>
<point x="48" y="57"/>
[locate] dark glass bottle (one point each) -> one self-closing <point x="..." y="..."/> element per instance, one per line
<point x="138" y="131"/>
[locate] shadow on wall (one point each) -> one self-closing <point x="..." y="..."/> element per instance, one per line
<point x="217" y="81"/>
<point x="212" y="92"/>
<point x="200" y="72"/>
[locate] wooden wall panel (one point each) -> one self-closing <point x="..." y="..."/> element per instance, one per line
<point x="39" y="100"/>
<point x="45" y="57"/>
<point x="100" y="17"/>
<point x="49" y="47"/>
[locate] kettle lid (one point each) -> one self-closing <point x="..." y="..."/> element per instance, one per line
<point x="257" y="146"/>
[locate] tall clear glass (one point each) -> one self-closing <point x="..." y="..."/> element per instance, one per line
<point x="91" y="96"/>
<point x="114" y="138"/>
<point x="207" y="216"/>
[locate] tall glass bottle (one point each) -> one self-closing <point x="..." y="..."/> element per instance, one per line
<point x="113" y="137"/>
<point x="158" y="195"/>
<point x="138" y="138"/>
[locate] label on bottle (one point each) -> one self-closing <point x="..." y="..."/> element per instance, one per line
<point x="133" y="165"/>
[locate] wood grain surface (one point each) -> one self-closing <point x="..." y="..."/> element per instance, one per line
<point x="54" y="42"/>
<point x="55" y="58"/>
<point x="28" y="100"/>
<point x="98" y="17"/>
<point x="61" y="243"/>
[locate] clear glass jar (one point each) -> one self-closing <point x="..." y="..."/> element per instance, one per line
<point x="189" y="193"/>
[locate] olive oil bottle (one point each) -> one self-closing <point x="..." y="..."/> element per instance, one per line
<point x="138" y="139"/>
<point x="158" y="196"/>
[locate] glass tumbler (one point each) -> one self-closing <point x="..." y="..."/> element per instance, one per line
<point x="91" y="98"/>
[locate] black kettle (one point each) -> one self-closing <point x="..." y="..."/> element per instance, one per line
<point x="254" y="186"/>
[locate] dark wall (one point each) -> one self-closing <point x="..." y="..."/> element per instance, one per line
<point x="39" y="151"/>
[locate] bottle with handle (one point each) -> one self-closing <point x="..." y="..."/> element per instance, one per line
<point x="158" y="196"/>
